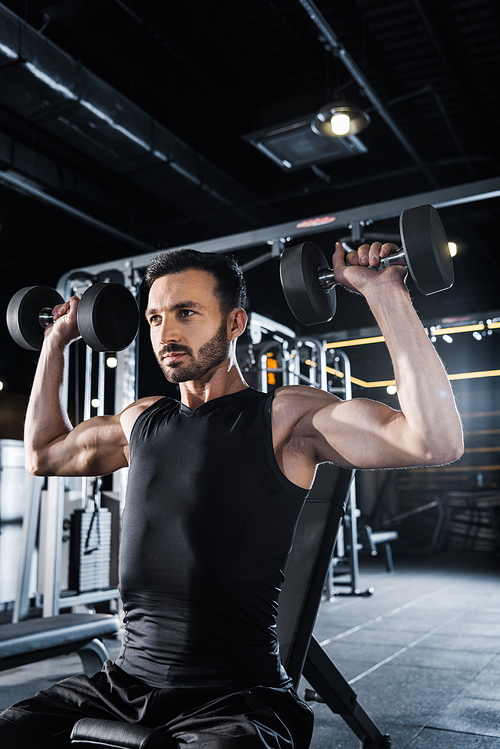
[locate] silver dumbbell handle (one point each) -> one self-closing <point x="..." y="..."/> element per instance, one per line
<point x="326" y="276"/>
<point x="45" y="317"/>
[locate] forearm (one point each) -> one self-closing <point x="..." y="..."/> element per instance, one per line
<point x="431" y="420"/>
<point x="46" y="417"/>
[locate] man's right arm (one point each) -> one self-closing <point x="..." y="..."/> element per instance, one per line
<point x="52" y="446"/>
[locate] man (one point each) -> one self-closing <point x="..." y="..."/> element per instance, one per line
<point x="216" y="484"/>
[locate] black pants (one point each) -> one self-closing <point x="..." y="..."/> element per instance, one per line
<point x="209" y="717"/>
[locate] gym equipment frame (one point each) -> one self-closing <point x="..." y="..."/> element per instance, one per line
<point x="279" y="234"/>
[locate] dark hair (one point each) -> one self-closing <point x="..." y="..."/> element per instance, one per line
<point x="230" y="288"/>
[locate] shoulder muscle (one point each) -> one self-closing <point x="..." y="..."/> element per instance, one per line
<point x="129" y="415"/>
<point x="296" y="405"/>
<point x="295" y="438"/>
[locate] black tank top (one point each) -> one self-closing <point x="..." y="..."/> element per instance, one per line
<point x="207" y="528"/>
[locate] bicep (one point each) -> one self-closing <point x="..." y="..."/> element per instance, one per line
<point x="362" y="433"/>
<point x="93" y="448"/>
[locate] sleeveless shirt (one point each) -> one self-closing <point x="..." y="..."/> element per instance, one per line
<point x="208" y="526"/>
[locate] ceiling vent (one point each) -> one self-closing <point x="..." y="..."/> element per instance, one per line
<point x="294" y="145"/>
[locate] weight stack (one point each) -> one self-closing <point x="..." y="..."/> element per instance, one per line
<point x="90" y="550"/>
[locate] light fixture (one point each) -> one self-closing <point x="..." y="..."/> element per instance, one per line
<point x="293" y="145"/>
<point x="453" y="248"/>
<point x="337" y="121"/>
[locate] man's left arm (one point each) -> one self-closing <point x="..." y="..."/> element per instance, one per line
<point x="427" y="429"/>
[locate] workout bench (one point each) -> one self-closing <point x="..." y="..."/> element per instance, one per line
<point x="301" y="654"/>
<point x="34" y="640"/>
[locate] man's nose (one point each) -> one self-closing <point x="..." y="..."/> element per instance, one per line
<point x="169" y="332"/>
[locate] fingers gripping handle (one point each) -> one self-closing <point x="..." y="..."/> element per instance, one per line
<point x="326" y="276"/>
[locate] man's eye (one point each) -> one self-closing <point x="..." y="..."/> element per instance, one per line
<point x="186" y="312"/>
<point x="154" y="319"/>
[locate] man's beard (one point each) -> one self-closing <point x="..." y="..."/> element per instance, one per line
<point x="210" y="355"/>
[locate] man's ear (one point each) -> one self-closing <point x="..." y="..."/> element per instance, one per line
<point x="237" y="322"/>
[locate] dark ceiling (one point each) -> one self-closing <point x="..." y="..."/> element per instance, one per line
<point x="134" y="113"/>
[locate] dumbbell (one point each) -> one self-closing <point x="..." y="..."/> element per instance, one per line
<point x="308" y="283"/>
<point x="107" y="316"/>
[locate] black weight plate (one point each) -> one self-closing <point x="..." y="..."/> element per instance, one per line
<point x="426" y="247"/>
<point x="108" y="317"/>
<point x="299" y="268"/>
<point x="22" y="314"/>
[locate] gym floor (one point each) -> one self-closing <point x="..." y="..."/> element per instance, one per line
<point x="422" y="653"/>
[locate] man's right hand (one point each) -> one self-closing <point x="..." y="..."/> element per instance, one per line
<point x="64" y="329"/>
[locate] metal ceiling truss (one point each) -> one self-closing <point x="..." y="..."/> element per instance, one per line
<point x="46" y="86"/>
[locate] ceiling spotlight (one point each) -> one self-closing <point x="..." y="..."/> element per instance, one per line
<point x="447" y="339"/>
<point x="477" y="336"/>
<point x="340" y="123"/>
<point x="336" y="121"/>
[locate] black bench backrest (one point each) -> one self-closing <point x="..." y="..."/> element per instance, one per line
<point x="308" y="564"/>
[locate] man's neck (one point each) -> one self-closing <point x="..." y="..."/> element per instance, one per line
<point x="223" y="380"/>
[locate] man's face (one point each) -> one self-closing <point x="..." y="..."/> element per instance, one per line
<point x="188" y="335"/>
